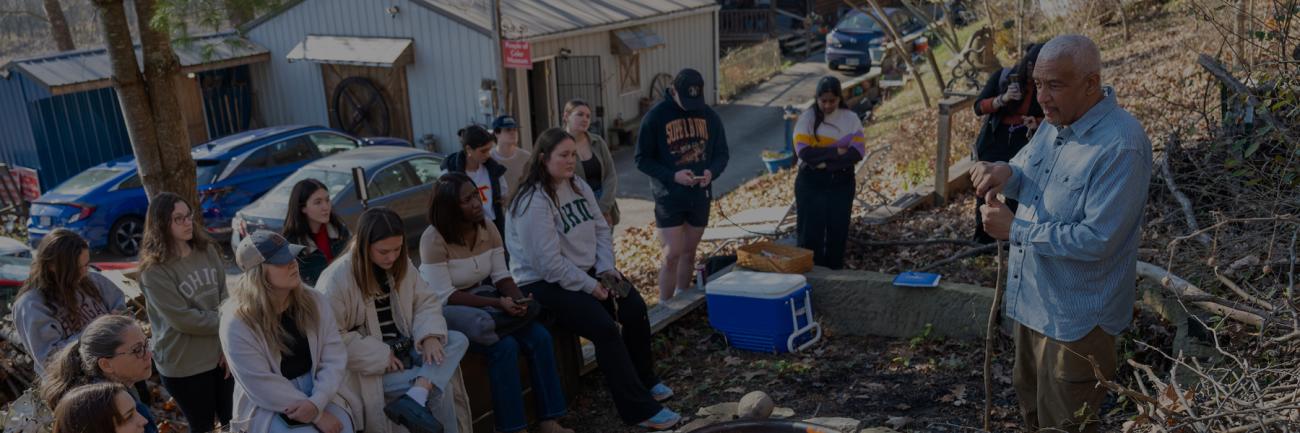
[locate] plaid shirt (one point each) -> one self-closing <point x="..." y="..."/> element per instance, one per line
<point x="1082" y="190"/>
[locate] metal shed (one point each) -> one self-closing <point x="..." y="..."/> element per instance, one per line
<point x="422" y="69"/>
<point x="63" y="115"/>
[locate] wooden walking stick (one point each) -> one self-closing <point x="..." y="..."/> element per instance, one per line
<point x="988" y="343"/>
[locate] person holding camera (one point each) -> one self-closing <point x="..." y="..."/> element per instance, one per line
<point x="402" y="360"/>
<point x="682" y="146"/>
<point x="1011" y="116"/>
<point x="463" y="254"/>
<point x="284" y="347"/>
<point x="564" y="256"/>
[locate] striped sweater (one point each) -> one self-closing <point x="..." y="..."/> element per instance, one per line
<point x="841" y="129"/>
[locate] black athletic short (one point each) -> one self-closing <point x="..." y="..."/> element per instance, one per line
<point x="673" y="213"/>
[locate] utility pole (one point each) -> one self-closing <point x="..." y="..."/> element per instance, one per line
<point x="498" y="39"/>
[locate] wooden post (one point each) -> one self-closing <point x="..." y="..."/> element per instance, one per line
<point x="947" y="106"/>
<point x="897" y="43"/>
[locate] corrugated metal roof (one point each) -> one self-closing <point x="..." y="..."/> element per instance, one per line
<point x="345" y="50"/>
<point x="86" y="67"/>
<point x="524" y="19"/>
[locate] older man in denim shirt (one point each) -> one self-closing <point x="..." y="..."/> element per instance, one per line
<point x="1082" y="186"/>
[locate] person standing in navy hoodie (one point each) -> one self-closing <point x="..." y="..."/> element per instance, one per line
<point x="682" y="147"/>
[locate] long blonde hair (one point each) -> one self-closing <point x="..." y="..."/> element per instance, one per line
<point x="253" y="306"/>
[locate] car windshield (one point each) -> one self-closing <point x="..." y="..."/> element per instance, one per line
<point x="859" y="23"/>
<point x="207" y="170"/>
<point x="335" y="181"/>
<point x="86" y="181"/>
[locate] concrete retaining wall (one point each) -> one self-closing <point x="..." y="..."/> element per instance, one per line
<point x="867" y="303"/>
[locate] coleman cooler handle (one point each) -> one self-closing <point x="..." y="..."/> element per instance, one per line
<point x="812" y="326"/>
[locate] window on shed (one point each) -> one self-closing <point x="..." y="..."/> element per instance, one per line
<point x="629" y="76"/>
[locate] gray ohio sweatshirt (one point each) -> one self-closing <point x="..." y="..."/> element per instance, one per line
<point x="183" y="298"/>
<point x="558" y="241"/>
<point x="44" y="330"/>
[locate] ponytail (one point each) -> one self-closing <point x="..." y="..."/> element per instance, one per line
<point x="78" y="362"/>
<point x="64" y="372"/>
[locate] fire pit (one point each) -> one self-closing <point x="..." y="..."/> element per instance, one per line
<point x="766" y="426"/>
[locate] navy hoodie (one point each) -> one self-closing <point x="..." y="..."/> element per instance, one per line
<point x="672" y="139"/>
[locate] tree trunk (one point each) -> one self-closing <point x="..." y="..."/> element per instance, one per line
<point x="148" y="100"/>
<point x="59" y="26"/>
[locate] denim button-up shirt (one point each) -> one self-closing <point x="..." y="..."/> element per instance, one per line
<point x="1082" y="189"/>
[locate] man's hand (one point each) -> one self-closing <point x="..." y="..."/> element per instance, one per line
<point x="705" y="179"/>
<point x="431" y="349"/>
<point x="328" y="423"/>
<point x="997" y="217"/>
<point x="684" y="177"/>
<point x="301" y="411"/>
<point x="990" y="177"/>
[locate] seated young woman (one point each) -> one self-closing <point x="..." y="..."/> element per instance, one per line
<point x="462" y="252"/>
<point x="111" y="349"/>
<point x="104" y="407"/>
<point x="403" y="362"/>
<point x="564" y="256"/>
<point x="282" y="344"/>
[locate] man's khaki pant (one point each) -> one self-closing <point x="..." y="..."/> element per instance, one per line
<point x="1054" y="380"/>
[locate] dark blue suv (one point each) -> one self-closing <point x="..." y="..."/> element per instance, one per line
<point x="106" y="203"/>
<point x="858" y="41"/>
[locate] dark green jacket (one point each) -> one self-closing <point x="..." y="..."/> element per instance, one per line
<point x="311" y="261"/>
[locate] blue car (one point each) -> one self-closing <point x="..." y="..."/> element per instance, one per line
<point x="858" y="41"/>
<point x="106" y="204"/>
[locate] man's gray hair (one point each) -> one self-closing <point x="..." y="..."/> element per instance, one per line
<point x="1080" y="50"/>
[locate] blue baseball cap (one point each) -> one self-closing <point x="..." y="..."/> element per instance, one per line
<point x="504" y="122"/>
<point x="689" y="85"/>
<point x="265" y="246"/>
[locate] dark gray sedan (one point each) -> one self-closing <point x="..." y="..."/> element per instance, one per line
<point x="398" y="178"/>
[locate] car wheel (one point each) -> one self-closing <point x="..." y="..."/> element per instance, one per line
<point x="831" y="67"/>
<point x="125" y="236"/>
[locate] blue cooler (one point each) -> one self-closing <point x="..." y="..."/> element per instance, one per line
<point x="763" y="311"/>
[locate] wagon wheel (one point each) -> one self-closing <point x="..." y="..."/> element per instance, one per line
<point x="658" y="86"/>
<point x="360" y="109"/>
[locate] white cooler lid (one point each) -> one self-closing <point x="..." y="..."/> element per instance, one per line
<point x="764" y="285"/>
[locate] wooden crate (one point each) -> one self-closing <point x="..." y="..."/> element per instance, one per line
<point x="772" y="257"/>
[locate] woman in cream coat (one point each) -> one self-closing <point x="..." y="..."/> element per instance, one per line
<point x="377" y="378"/>
<point x="281" y="382"/>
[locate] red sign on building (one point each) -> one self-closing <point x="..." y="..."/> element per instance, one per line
<point x="517" y="54"/>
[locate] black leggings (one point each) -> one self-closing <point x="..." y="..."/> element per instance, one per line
<point x="204" y="398"/>
<point x="624" y="358"/>
<point x="824" y="207"/>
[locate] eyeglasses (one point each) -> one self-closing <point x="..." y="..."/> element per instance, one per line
<point x="183" y="219"/>
<point x="139" y="351"/>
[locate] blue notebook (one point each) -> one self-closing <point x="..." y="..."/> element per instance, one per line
<point x="917" y="279"/>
